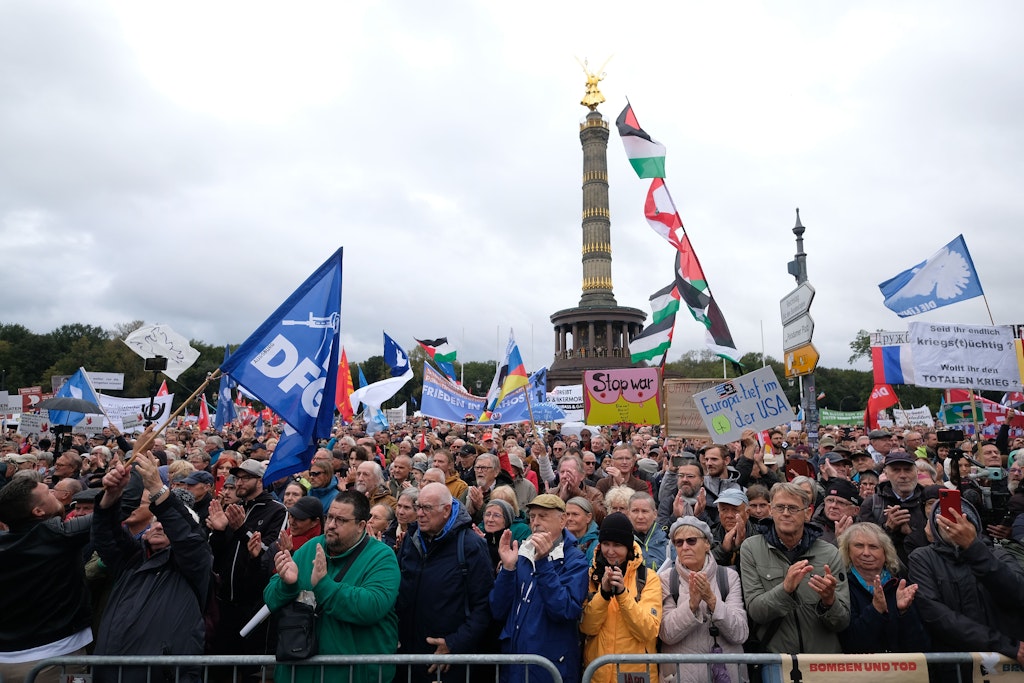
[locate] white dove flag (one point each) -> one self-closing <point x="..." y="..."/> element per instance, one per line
<point x="945" y="278"/>
<point x="150" y="341"/>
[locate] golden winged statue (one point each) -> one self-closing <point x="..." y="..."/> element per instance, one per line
<point x="593" y="96"/>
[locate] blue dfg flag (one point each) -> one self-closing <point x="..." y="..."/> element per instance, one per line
<point x="945" y="278"/>
<point x="290" y="362"/>
<point x="225" y="406"/>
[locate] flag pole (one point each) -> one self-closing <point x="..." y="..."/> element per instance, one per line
<point x="974" y="418"/>
<point x="984" y="298"/>
<point x="184" y="404"/>
<point x="662" y="403"/>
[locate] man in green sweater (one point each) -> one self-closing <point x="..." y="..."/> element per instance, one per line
<point x="354" y="578"/>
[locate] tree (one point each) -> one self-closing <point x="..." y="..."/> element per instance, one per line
<point x="861" y="346"/>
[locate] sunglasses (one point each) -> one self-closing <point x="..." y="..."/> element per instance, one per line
<point x="315" y="473"/>
<point x="691" y="541"/>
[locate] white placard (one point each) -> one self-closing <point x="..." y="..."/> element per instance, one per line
<point x="964" y="356"/>
<point x="914" y="416"/>
<point x="113" y="381"/>
<point x="569" y="398"/>
<point x="396" y="416"/>
<point x="31" y="424"/>
<point x="754" y="401"/>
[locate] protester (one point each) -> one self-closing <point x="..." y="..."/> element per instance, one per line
<point x="897" y="505"/>
<point x="794" y="586"/>
<point x="579" y="520"/>
<point x="623" y="609"/>
<point x="733" y="527"/>
<point x="553" y="572"/>
<point x="883" y="616"/>
<point x="160" y="593"/>
<point x="653" y="542"/>
<point x="498" y="516"/>
<point x="354" y="580"/>
<point x="702" y="604"/>
<point x="323" y="483"/>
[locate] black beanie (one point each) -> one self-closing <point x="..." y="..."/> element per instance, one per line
<point x="617" y="528"/>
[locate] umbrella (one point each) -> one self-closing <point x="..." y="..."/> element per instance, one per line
<point x="69" y="403"/>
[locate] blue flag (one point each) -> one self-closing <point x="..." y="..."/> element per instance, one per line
<point x="257" y="428"/>
<point x="362" y="378"/>
<point x="395" y="356"/>
<point x="227" y="354"/>
<point x="225" y="406"/>
<point x="77" y="386"/>
<point x="945" y="278"/>
<point x="290" y="362"/>
<point x="293" y="453"/>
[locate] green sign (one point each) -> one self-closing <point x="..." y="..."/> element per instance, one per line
<point x="840" y="417"/>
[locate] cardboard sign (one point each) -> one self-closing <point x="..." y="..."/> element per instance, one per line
<point x="882" y="668"/>
<point x="628" y="395"/>
<point x="569" y="397"/>
<point x="34" y="425"/>
<point x="754" y="401"/>
<point x="682" y="418"/>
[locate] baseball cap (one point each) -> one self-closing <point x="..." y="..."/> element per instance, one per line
<point x="253" y="468"/>
<point x="827" y="442"/>
<point x="307" y="507"/>
<point x="899" y="456"/>
<point x="732" y="497"/>
<point x="199" y="477"/>
<point x="879" y="434"/>
<point x="517" y="462"/>
<point x="837" y="457"/>
<point x="547" y="500"/>
<point x="845" y="490"/>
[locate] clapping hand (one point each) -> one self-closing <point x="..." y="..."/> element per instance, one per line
<point x="508" y="551"/>
<point x="825" y="586"/>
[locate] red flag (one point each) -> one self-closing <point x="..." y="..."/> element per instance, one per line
<point x="163" y="389"/>
<point x="204" y="415"/>
<point x="344" y="391"/>
<point x="881" y="398"/>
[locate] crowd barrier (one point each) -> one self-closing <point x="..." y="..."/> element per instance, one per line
<point x="990" y="667"/>
<point x="236" y="668"/>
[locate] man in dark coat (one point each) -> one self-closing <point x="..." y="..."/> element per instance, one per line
<point x="446" y="580"/>
<point x="897" y="505"/>
<point x="156" y="605"/>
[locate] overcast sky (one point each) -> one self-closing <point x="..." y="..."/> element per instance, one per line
<point x="192" y="162"/>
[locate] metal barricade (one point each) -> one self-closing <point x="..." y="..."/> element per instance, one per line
<point x="210" y="668"/>
<point x="774" y="662"/>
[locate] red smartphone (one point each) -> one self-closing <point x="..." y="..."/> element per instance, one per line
<point x="949" y="499"/>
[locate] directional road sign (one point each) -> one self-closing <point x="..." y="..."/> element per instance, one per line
<point x="796" y="303"/>
<point x="797" y="333"/>
<point x="801" y="360"/>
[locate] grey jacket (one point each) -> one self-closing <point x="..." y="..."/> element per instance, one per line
<point x="805" y="625"/>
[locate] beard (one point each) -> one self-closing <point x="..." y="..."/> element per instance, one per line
<point x="360" y="486"/>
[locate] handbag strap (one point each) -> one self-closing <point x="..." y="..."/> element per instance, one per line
<point x="350" y="559"/>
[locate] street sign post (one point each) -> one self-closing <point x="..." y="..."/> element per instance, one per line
<point x="801" y="361"/>
<point x="797" y="333"/>
<point x="796" y="303"/>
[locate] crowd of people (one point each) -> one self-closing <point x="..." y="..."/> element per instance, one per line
<point x="438" y="539"/>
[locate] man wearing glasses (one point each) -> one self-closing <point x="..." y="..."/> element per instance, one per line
<point x="486" y="470"/>
<point x="794" y="585"/>
<point x="446" y="580"/>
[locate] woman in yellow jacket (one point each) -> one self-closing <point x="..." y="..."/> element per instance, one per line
<point x="623" y="610"/>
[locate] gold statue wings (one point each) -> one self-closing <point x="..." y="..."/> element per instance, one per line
<point x="593" y="96"/>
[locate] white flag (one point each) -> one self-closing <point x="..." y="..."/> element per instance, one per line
<point x="150" y="341"/>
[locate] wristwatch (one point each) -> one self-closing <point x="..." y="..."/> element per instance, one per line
<point x="154" y="496"/>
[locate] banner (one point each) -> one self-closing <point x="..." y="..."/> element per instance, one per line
<point x="754" y="401"/>
<point x="396" y="416"/>
<point x="682" y="418"/>
<point x="445" y="400"/>
<point x="840" y="417"/>
<point x="964" y="356"/>
<point x="914" y="416"/>
<point x="34" y="425"/>
<point x="569" y="398"/>
<point x="996" y="668"/>
<point x="30" y="396"/>
<point x="879" y="668"/>
<point x="120" y="408"/>
<point x="627" y="395"/>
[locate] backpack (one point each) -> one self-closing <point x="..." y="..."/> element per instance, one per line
<point x="723" y="582"/>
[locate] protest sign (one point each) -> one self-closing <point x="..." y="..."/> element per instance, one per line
<point x="754" y="401"/>
<point x="30" y="396"/>
<point x="445" y="400"/>
<point x="840" y="417"/>
<point x="875" y="668"/>
<point x="681" y="415"/>
<point x="569" y="397"/>
<point x="396" y="416"/>
<point x="629" y="395"/>
<point x="34" y="425"/>
<point x="118" y="409"/>
<point x="964" y="356"/>
<point x="914" y="416"/>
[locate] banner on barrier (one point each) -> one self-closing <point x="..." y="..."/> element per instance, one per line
<point x="881" y="668"/>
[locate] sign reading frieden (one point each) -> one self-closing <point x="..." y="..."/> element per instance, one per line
<point x="754" y="401"/>
<point x="964" y="356"/>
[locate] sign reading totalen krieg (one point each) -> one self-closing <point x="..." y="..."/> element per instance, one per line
<point x="754" y="401"/>
<point x="616" y="396"/>
<point x="964" y="356"/>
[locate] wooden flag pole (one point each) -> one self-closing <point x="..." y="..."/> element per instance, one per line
<point x="990" y="318"/>
<point x="974" y="418"/>
<point x="147" y="437"/>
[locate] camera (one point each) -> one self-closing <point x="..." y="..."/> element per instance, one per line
<point x="993" y="506"/>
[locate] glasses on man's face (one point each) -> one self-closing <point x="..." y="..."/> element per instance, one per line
<point x="334" y="519"/>
<point x="420" y="507"/>
<point x="315" y="473"/>
<point x="482" y="468"/>
<point x="834" y="500"/>
<point x="788" y="509"/>
<point x="557" y="449"/>
<point x="689" y="540"/>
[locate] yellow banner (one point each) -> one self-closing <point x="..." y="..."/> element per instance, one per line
<point x="619" y="396"/>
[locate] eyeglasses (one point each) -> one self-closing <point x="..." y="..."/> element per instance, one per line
<point x="483" y="467"/>
<point x="558" y="449"/>
<point x="334" y="519"/>
<point x="833" y="500"/>
<point x="493" y="515"/>
<point x="420" y="507"/>
<point x="788" y="509"/>
<point x="691" y="541"/>
<point x="315" y="473"/>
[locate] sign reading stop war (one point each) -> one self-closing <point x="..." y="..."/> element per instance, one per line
<point x="754" y="401"/>
<point x="627" y="395"/>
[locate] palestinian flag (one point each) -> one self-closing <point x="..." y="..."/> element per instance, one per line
<point x="661" y="214"/>
<point x="654" y="341"/>
<point x="344" y="390"/>
<point x="693" y="290"/>
<point x="646" y="155"/>
<point x="441" y="353"/>
<point x="664" y="303"/>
